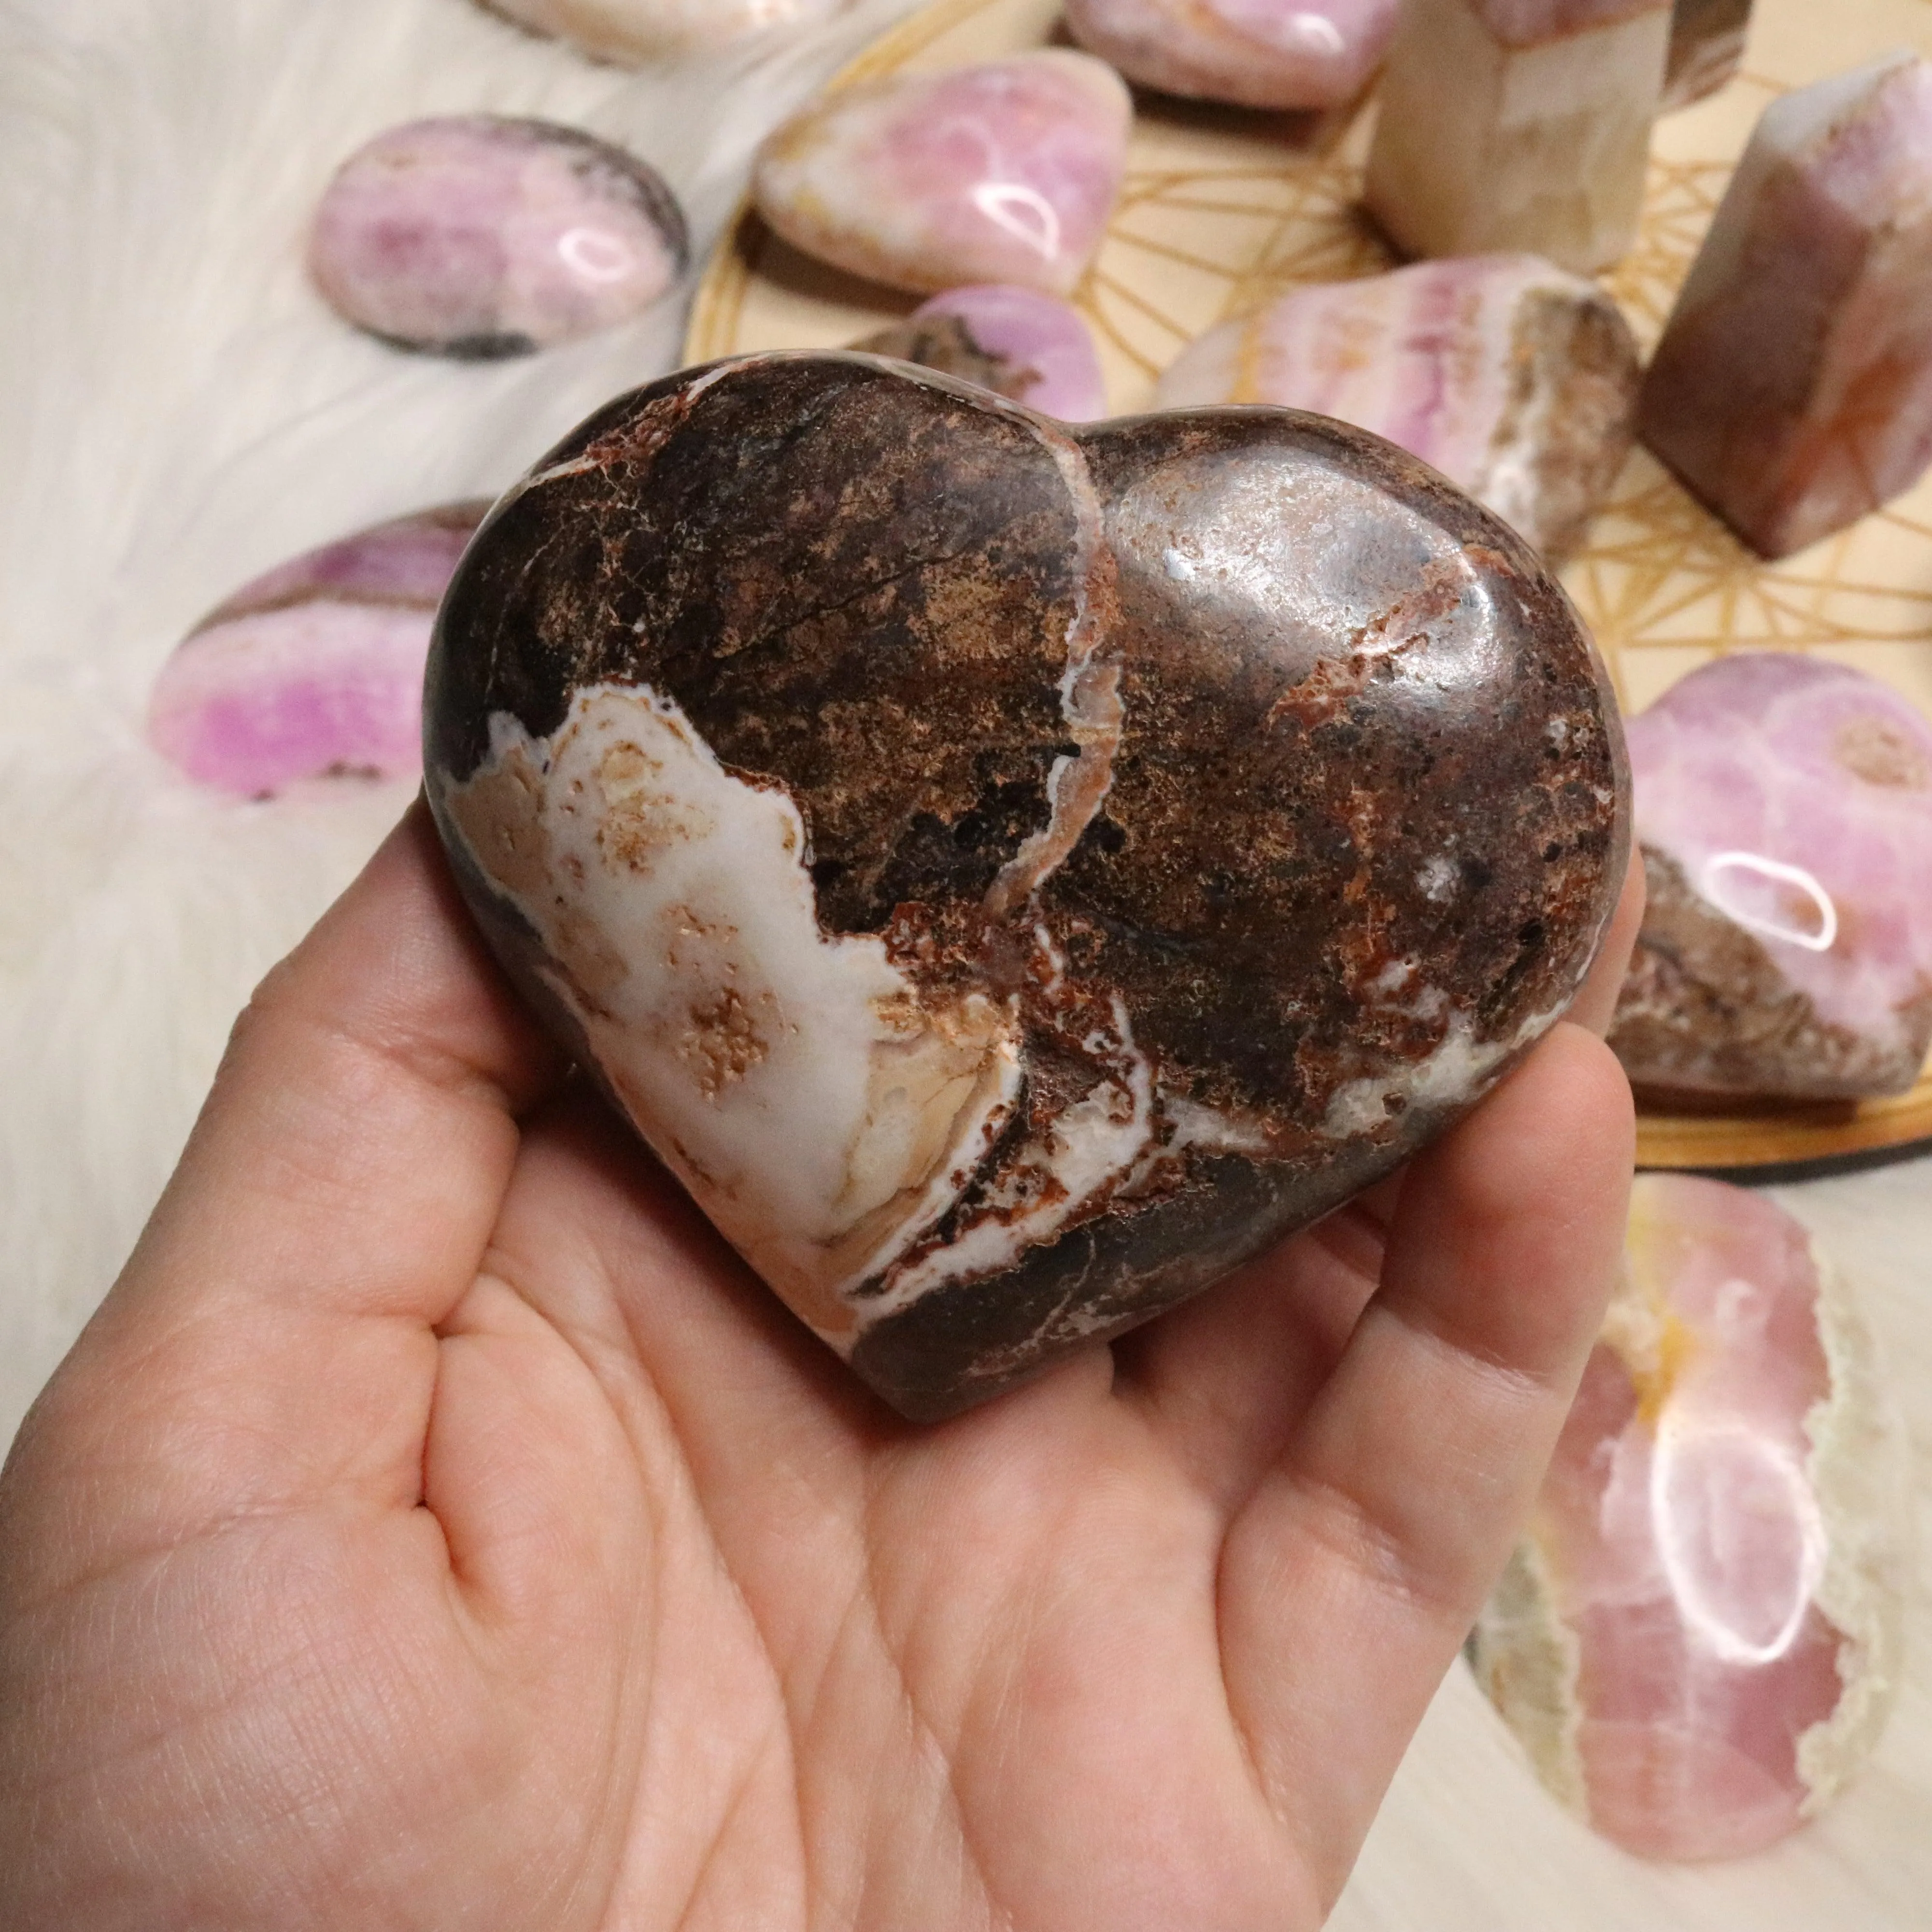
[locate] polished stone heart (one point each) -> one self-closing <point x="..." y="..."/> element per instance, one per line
<point x="1012" y="874"/>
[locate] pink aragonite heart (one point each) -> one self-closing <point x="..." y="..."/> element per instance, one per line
<point x="1016" y="341"/>
<point x="316" y="667"/>
<point x="1698" y="1639"/>
<point x="1514" y="379"/>
<point x="1005" y="172"/>
<point x="1256" y="53"/>
<point x="1784" y="808"/>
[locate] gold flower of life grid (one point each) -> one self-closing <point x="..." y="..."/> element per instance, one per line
<point x="1222" y="209"/>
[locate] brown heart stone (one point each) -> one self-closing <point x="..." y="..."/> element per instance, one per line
<point x="1010" y="874"/>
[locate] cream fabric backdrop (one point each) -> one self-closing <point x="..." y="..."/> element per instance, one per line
<point x="177" y="412"/>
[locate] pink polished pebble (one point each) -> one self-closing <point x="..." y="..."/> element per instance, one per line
<point x="1784" y="809"/>
<point x="1018" y="342"/>
<point x="316" y="667"/>
<point x="1256" y="53"/>
<point x="1698" y="1641"/>
<point x="1004" y="171"/>
<point x="479" y="236"/>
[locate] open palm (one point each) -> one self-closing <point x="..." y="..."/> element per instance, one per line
<point x="438" y="1527"/>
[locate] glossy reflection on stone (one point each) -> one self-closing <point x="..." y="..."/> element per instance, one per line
<point x="1012" y="873"/>
<point x="1256" y="53"/>
<point x="476" y="235"/>
<point x="1784" y="804"/>
<point x="1005" y="172"/>
<point x="1519" y="125"/>
<point x="1514" y="379"/>
<point x="1020" y="343"/>
<point x="316" y="667"/>
<point x="1698" y="1640"/>
<point x="633" y="31"/>
<point x="1792" y="389"/>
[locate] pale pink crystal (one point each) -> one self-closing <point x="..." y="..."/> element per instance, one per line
<point x="1698" y="1638"/>
<point x="1018" y="342"/>
<point x="316" y="667"/>
<point x="1792" y="389"/>
<point x="1005" y="172"/>
<point x="1518" y="124"/>
<point x="1256" y="53"/>
<point x="1784" y="807"/>
<point x="1514" y="379"/>
<point x="633" y="31"/>
<point x="476" y="235"/>
<point x="1707" y="47"/>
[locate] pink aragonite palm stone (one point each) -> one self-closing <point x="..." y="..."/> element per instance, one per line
<point x="634" y="31"/>
<point x="315" y="668"/>
<point x="1256" y="53"/>
<point x="1698" y="1638"/>
<point x="1019" y="342"/>
<point x="1792" y="389"/>
<point x="1514" y="379"/>
<point x="479" y="235"/>
<point x="1004" y="171"/>
<point x="1784" y="809"/>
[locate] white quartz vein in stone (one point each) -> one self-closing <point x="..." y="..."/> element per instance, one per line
<point x="1451" y="1074"/>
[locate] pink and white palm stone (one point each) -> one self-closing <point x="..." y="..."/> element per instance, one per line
<point x="1792" y="389"/>
<point x="1698" y="1638"/>
<point x="480" y="236"/>
<point x="316" y="668"/>
<point x="1004" y="171"/>
<point x="1256" y="53"/>
<point x="1019" y="342"/>
<point x="1514" y="379"/>
<point x="1784" y="805"/>
<point x="633" y="31"/>
<point x="1510" y="124"/>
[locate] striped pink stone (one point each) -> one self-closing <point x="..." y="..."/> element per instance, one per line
<point x="1514" y="379"/>
<point x="1019" y="342"/>
<point x="1004" y="171"/>
<point x="1784" y="809"/>
<point x="1698" y="1638"/>
<point x="1256" y="53"/>
<point x="1792" y="389"/>
<point x="479" y="236"/>
<point x="315" y="669"/>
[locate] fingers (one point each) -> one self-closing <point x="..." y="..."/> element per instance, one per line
<point x="1353" y="1573"/>
<point x="272" y="1335"/>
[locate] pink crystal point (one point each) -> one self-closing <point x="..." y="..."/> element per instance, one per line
<point x="1792" y="389"/>
<point x="1514" y="379"/>
<point x="316" y="667"/>
<point x="1018" y="342"/>
<point x="1698" y="1638"/>
<point x="1784" y="808"/>
<point x="1707" y="47"/>
<point x="1256" y="53"/>
<point x="1005" y="172"/>
<point x="476" y="235"/>
<point x="1519" y="125"/>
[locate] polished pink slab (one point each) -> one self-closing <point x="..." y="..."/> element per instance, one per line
<point x="1792" y="390"/>
<point x="1004" y="171"/>
<point x="1256" y="53"/>
<point x="1514" y="379"/>
<point x="1698" y="1638"/>
<point x="478" y="235"/>
<point x="1784" y="808"/>
<point x="316" y="667"/>
<point x="1016" y="341"/>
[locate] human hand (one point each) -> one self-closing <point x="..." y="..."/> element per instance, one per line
<point x="439" y="1527"/>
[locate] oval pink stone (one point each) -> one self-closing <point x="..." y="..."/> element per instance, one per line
<point x="1256" y="53"/>
<point x="316" y="667"/>
<point x="1018" y="342"/>
<point x="1698" y="1638"/>
<point x="1005" y="172"/>
<point x="478" y="236"/>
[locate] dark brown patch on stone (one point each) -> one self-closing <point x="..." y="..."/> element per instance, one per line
<point x="944" y="343"/>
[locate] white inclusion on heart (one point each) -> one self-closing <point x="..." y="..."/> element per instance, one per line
<point x="595" y="254"/>
<point x="1739" y="1534"/>
<point x="1024" y="212"/>
<point x="1759" y="893"/>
